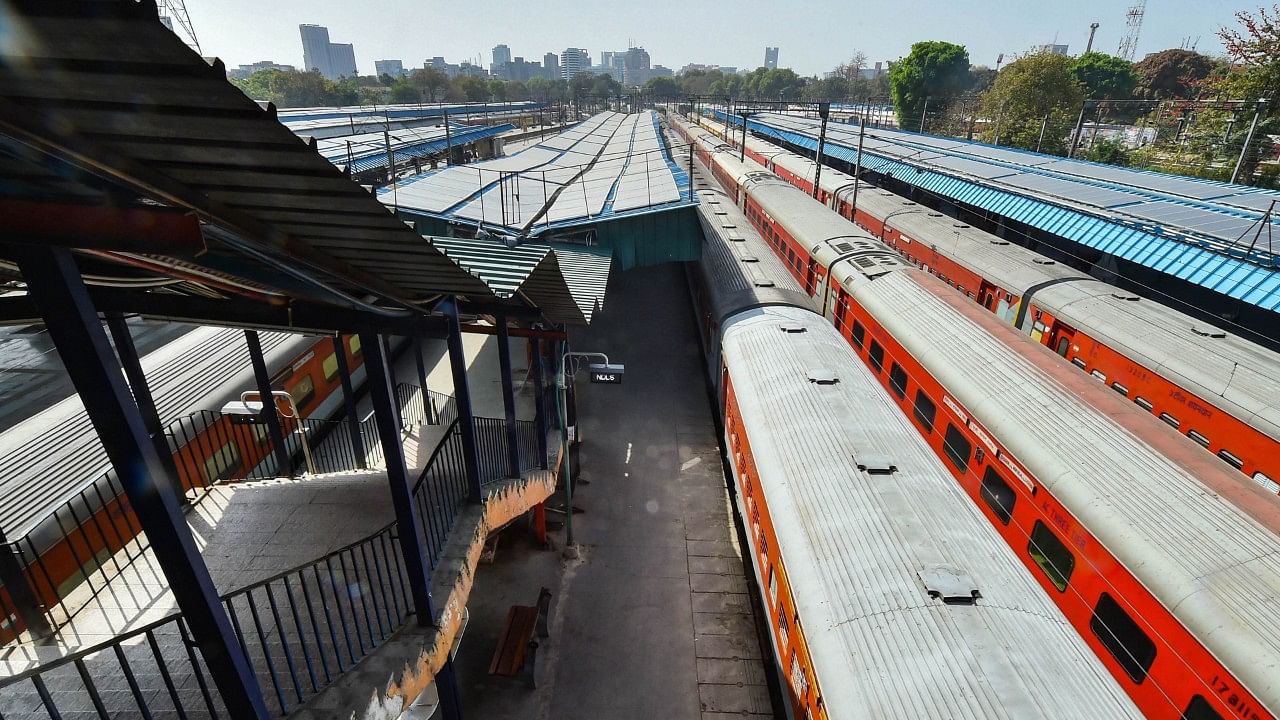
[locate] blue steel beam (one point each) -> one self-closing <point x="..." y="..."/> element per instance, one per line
<point x="508" y="397"/>
<point x="131" y="363"/>
<point x="54" y="282"/>
<point x="387" y="411"/>
<point x="349" y="400"/>
<point x="283" y="463"/>
<point x="462" y="398"/>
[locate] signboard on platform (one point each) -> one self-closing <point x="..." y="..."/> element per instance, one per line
<point x="607" y="374"/>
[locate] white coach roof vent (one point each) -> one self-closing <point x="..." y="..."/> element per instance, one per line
<point x="822" y="376"/>
<point x="949" y="584"/>
<point x="875" y="464"/>
<point x="793" y="328"/>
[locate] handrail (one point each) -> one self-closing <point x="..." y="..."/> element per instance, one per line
<point x="208" y="449"/>
<point x="295" y="625"/>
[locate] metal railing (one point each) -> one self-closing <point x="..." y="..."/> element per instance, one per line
<point x="300" y="629"/>
<point x="72" y="554"/>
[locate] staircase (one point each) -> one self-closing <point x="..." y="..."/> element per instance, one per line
<point x="327" y="634"/>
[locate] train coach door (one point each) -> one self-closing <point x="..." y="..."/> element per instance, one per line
<point x="1061" y="339"/>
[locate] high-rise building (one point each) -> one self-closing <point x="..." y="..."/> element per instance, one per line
<point x="342" y="58"/>
<point x="394" y="68"/>
<point x="551" y="66"/>
<point x="501" y="59"/>
<point x="771" y="57"/>
<point x="315" y="49"/>
<point x="635" y="66"/>
<point x="332" y="60"/>
<point x="574" y="62"/>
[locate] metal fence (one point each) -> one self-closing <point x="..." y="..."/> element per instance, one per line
<point x="71" y="555"/>
<point x="300" y="629"/>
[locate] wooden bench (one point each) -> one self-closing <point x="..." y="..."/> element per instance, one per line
<point x="517" y="646"/>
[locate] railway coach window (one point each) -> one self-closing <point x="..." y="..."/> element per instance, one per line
<point x="957" y="447"/>
<point x="859" y="334"/>
<point x="898" y="380"/>
<point x="330" y="367"/>
<point x="1123" y="638"/>
<point x="223" y="463"/>
<point x="1054" y="558"/>
<point x="1200" y="709"/>
<point x="998" y="495"/>
<point x="924" y="411"/>
<point x="1120" y="389"/>
<point x="876" y="356"/>
<point x="1171" y="420"/>
<point x="1143" y="403"/>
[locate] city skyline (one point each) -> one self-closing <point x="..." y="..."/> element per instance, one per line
<point x="241" y="32"/>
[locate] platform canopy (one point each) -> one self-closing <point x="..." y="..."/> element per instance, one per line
<point x="1210" y="213"/>
<point x="177" y="191"/>
<point x="610" y="165"/>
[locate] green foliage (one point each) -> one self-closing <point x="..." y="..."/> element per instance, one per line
<point x="298" y="89"/>
<point x="664" y="87"/>
<point x="935" y="70"/>
<point x="1173" y="73"/>
<point x="1105" y="77"/>
<point x="1109" y="151"/>
<point x="1027" y="91"/>
<point x="472" y="88"/>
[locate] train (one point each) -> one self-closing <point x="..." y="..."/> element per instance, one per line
<point x="1215" y="387"/>
<point x="887" y="592"/>
<point x="1159" y="555"/>
<point x="63" y="531"/>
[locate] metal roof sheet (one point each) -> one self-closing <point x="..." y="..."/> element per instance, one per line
<point x="610" y="164"/>
<point x="1133" y="240"/>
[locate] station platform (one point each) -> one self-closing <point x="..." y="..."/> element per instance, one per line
<point x="253" y="530"/>
<point x="655" y="618"/>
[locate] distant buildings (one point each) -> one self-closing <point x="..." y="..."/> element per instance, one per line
<point x="614" y="64"/>
<point x="551" y="66"/>
<point x="635" y="66"/>
<point x="501" y="58"/>
<point x="394" y="68"/>
<point x="332" y="60"/>
<point x="244" y="71"/>
<point x="574" y="62"/>
<point x="771" y="58"/>
<point x="1050" y="48"/>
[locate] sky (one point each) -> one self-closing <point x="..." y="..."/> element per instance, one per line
<point x="813" y="37"/>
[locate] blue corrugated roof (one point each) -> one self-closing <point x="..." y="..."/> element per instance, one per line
<point x="1222" y="273"/>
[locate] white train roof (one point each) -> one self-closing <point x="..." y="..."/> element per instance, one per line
<point x="855" y="544"/>
<point x="1240" y="376"/>
<point x="1180" y="521"/>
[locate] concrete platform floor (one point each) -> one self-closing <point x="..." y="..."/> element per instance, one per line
<point x="655" y="619"/>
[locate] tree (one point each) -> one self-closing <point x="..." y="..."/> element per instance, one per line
<point x="539" y="88"/>
<point x="403" y="90"/>
<point x="934" y="70"/>
<point x="472" y="88"/>
<point x="1256" y="50"/>
<point x="1110" y="151"/>
<point x="431" y="83"/>
<point x="851" y="70"/>
<point x="1105" y="77"/>
<point x="828" y="88"/>
<point x="1025" y="93"/>
<point x="1173" y="73"/>
<point x="498" y="90"/>
<point x="981" y="77"/>
<point x="664" y="87"/>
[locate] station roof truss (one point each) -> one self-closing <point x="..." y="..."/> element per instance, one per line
<point x="609" y="166"/>
<point x="1197" y="230"/>
<point x="117" y="141"/>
